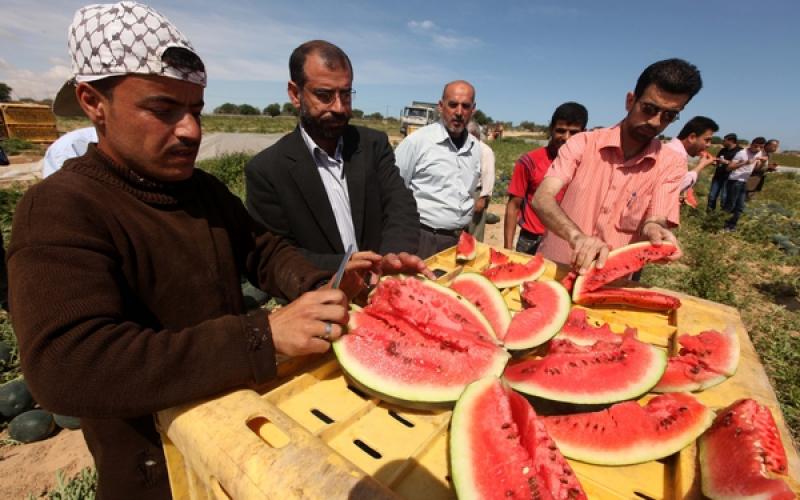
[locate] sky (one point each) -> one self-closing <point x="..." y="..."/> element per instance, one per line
<point x="524" y="57"/>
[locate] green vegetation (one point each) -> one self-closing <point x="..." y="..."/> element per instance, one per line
<point x="15" y="146"/>
<point x="228" y="168"/>
<point x="506" y="152"/>
<point x="81" y="487"/>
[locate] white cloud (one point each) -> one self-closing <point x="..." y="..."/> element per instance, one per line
<point x="35" y="84"/>
<point x="442" y="38"/>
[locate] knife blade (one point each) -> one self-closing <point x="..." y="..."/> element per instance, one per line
<point x="337" y="278"/>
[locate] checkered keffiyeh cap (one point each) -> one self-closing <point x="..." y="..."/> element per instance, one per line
<point x="125" y="38"/>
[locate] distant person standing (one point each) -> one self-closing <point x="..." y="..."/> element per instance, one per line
<point x="756" y="181"/>
<point x="68" y="146"/>
<point x="740" y="169"/>
<point x="440" y="163"/>
<point x="483" y="194"/>
<point x="568" y="119"/>
<point x="730" y="146"/>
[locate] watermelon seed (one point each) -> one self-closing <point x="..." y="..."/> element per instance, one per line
<point x="509" y="493"/>
<point x="506" y="425"/>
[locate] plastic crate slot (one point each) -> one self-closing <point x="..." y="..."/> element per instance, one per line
<point x="642" y="495"/>
<point x="358" y="392"/>
<point x="217" y="490"/>
<point x="322" y="416"/>
<point x="368" y="449"/>
<point x="400" y="419"/>
<point x="268" y="432"/>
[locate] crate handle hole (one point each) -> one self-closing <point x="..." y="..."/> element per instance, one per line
<point x="217" y="489"/>
<point x="400" y="419"/>
<point x="642" y="495"/>
<point x="322" y="416"/>
<point x="357" y="392"/>
<point x="268" y="432"/>
<point x="368" y="449"/>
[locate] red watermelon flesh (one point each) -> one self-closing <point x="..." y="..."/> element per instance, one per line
<point x="497" y="258"/>
<point x="398" y="362"/>
<point x="602" y="373"/>
<point x="513" y="273"/>
<point x="627" y="433"/>
<point x="632" y="297"/>
<point x="487" y="298"/>
<point x="568" y="281"/>
<point x="546" y="309"/>
<point x="741" y="455"/>
<point x="467" y="248"/>
<point x="621" y="262"/>
<point x="500" y="449"/>
<point x="704" y="360"/>
<point x="580" y="331"/>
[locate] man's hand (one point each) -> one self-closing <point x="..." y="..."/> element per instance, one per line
<point x="705" y="159"/>
<point x="657" y="234"/>
<point x="480" y="204"/>
<point x="302" y="326"/>
<point x="404" y="263"/>
<point x="587" y="249"/>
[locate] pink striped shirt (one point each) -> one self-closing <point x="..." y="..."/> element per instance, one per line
<point x="609" y="197"/>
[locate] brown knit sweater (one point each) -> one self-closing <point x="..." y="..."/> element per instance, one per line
<point x="125" y="298"/>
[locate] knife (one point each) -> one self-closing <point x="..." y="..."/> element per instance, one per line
<point x="337" y="278"/>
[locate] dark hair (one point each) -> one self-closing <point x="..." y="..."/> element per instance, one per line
<point x="572" y="113"/>
<point x="731" y="137"/>
<point x="106" y="85"/>
<point x="698" y="125"/>
<point x="675" y="76"/>
<point x="758" y="140"/>
<point x="333" y="57"/>
<point x="776" y="141"/>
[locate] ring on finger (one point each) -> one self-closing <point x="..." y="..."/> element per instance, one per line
<point x="328" y="331"/>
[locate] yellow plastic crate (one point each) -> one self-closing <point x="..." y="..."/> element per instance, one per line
<point x="311" y="435"/>
<point x="31" y="122"/>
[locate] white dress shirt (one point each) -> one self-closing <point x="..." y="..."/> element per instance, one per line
<point x="70" y="145"/>
<point x="742" y="173"/>
<point x="441" y="176"/>
<point x="331" y="171"/>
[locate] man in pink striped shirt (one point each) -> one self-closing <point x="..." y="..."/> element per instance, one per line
<point x="622" y="185"/>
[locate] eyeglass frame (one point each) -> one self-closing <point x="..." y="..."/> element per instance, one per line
<point x="328" y="96"/>
<point x="670" y="115"/>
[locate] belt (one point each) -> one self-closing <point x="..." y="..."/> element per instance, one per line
<point x="447" y="232"/>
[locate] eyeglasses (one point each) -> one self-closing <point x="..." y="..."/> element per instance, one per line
<point x="669" y="115"/>
<point x="327" y="96"/>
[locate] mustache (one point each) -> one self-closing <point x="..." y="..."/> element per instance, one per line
<point x="184" y="148"/>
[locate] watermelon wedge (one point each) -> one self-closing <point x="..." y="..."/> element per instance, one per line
<point x="601" y="373"/>
<point x="639" y="298"/>
<point x="741" y="455"/>
<point x="513" y="274"/>
<point x="467" y="247"/>
<point x="578" y="330"/>
<point x="621" y="262"/>
<point x="546" y="309"/>
<point x="627" y="433"/>
<point x="499" y="448"/>
<point x="704" y="360"/>
<point x="497" y="258"/>
<point x="487" y="298"/>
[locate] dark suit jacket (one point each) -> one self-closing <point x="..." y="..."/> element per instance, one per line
<point x="286" y="194"/>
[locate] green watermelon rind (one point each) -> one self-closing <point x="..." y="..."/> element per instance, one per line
<point x="552" y="328"/>
<point x="461" y="452"/>
<point x="646" y="451"/>
<point x="633" y="391"/>
<point x="410" y="394"/>
<point x="461" y="256"/>
<point x="727" y="371"/>
<point x="497" y="302"/>
<point x="577" y="287"/>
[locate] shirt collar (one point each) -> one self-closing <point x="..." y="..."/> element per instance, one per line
<point x="442" y="135"/>
<point x="314" y="149"/>
<point x="612" y="138"/>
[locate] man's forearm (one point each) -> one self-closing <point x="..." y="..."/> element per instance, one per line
<point x="554" y="218"/>
<point x="510" y="223"/>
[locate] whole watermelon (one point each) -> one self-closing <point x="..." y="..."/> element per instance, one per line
<point x="15" y="398"/>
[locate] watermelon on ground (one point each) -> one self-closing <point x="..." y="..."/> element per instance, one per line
<point x="601" y="373"/>
<point x="546" y="309"/>
<point x="499" y="448"/>
<point x="741" y="455"/>
<point x="628" y="433"/>
<point x="620" y="263"/>
<point x="513" y="274"/>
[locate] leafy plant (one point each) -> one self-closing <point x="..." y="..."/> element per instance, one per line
<point x="228" y="168"/>
<point x="15" y="146"/>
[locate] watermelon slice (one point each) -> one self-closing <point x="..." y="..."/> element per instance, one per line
<point x="627" y="433"/>
<point x="487" y="298"/>
<point x="621" y="262"/>
<point x="467" y="248"/>
<point x="513" y="274"/>
<point x="578" y="330"/>
<point x="704" y="360"/>
<point x="741" y="455"/>
<point x="496" y="258"/>
<point x="499" y="448"/>
<point x="639" y="298"/>
<point x="546" y="310"/>
<point x="568" y="281"/>
<point x="601" y="373"/>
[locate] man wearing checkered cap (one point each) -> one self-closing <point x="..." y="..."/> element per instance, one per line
<point x="125" y="265"/>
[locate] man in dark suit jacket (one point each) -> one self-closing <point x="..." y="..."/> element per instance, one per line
<point x="328" y="184"/>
